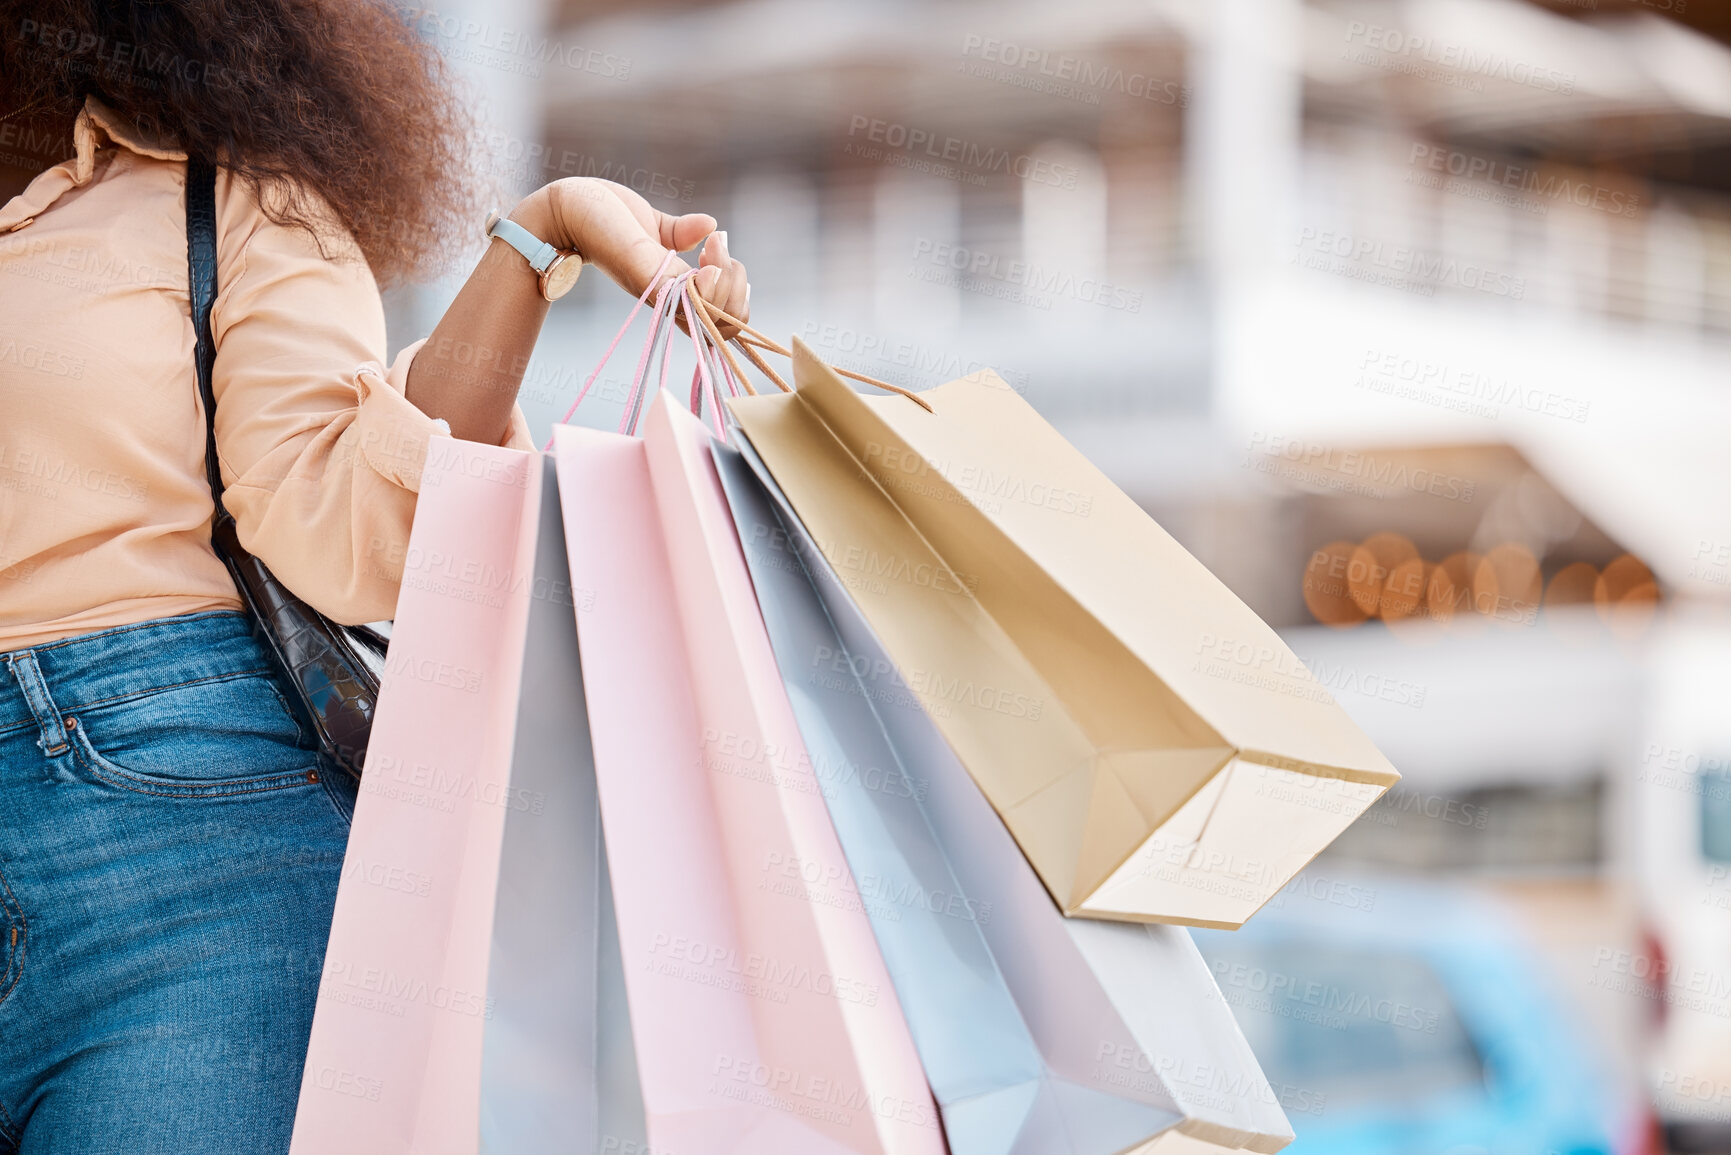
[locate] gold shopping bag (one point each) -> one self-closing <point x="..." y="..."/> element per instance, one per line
<point x="1157" y="751"/>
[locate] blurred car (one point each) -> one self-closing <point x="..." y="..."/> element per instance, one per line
<point x="1397" y="1018"/>
<point x="1681" y="813"/>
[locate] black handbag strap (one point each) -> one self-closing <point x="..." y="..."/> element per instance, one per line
<point x="201" y="280"/>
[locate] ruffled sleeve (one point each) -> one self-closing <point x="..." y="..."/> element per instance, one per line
<point x="321" y="450"/>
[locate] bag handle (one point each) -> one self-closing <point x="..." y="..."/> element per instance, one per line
<point x="671" y="295"/>
<point x="657" y="348"/>
<point x="642" y="299"/>
<point x="675" y="294"/>
<point x="201" y="279"/>
<point x="749" y="337"/>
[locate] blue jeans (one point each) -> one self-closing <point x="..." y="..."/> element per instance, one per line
<point x="170" y="845"/>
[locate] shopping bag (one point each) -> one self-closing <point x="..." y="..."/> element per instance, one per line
<point x="762" y="1018"/>
<point x="557" y="1071"/>
<point x="475" y="840"/>
<point x="1156" y="749"/>
<point x="1039" y="1035"/>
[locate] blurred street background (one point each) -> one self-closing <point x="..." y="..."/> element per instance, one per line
<point x="1412" y="320"/>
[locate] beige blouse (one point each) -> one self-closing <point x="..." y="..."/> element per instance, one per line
<point x="104" y="509"/>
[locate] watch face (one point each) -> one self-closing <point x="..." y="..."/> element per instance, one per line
<point x="558" y="279"/>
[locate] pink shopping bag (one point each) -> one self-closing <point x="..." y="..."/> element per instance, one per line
<point x="763" y="1019"/>
<point x="472" y="999"/>
<point x="394" y="1063"/>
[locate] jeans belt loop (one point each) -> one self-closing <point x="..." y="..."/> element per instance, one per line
<point x="29" y="674"/>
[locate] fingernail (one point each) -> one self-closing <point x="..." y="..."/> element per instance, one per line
<point x="722" y="233"/>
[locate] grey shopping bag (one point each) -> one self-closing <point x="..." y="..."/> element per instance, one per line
<point x="558" y="1073"/>
<point x="1040" y="1035"/>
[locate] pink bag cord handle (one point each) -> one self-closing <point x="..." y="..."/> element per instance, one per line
<point x="678" y="295"/>
<point x="660" y="339"/>
<point x="674" y="295"/>
<point x="642" y="300"/>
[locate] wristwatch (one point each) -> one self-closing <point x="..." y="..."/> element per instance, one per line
<point x="558" y="271"/>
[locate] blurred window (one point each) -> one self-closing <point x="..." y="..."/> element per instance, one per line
<point x="1716" y="813"/>
<point x="1356" y="1026"/>
<point x="1064" y="215"/>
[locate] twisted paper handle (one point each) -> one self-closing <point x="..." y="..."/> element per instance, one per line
<point x="676" y="294"/>
<point x="749" y="337"/>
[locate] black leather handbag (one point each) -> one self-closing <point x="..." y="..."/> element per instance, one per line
<point x="331" y="670"/>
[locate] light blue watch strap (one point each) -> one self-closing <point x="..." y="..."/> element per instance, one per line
<point x="536" y="251"/>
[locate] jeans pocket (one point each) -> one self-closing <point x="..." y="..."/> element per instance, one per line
<point x="215" y="737"/>
<point x="344" y="791"/>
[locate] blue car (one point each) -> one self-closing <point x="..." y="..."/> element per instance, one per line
<point x="1408" y="1019"/>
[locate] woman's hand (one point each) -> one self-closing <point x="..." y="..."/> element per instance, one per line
<point x="469" y="371"/>
<point x="625" y="237"/>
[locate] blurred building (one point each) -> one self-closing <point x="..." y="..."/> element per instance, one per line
<point x="1410" y="318"/>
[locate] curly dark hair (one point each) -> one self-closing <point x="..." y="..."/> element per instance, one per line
<point x="340" y="97"/>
